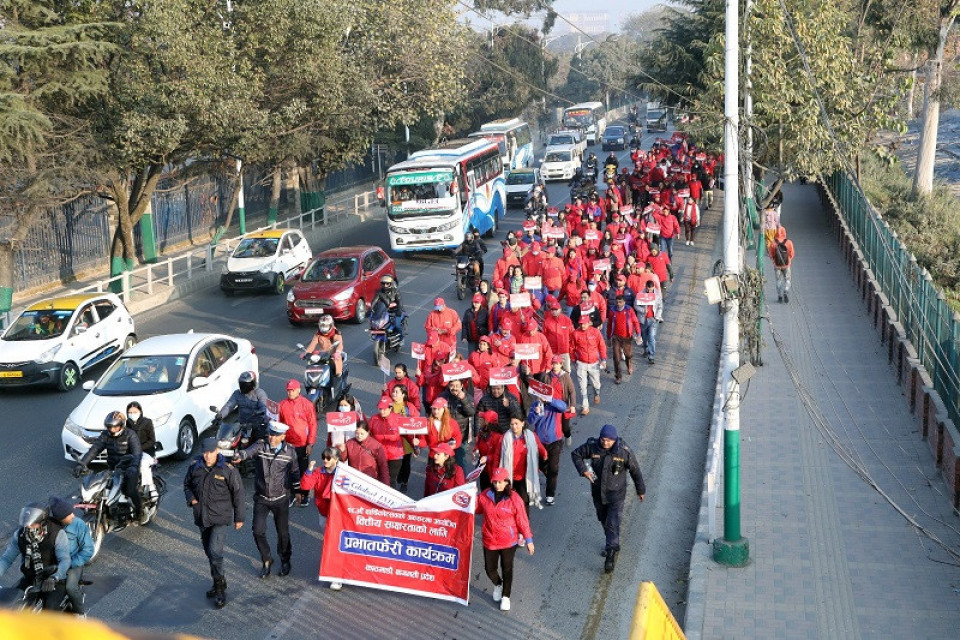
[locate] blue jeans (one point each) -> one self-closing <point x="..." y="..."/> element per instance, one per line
<point x="649" y="334"/>
<point x="667" y="245"/>
<point x="74" y="574"/>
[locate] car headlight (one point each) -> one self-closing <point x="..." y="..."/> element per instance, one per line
<point x="290" y="297"/>
<point x="395" y="229"/>
<point x="73" y="427"/>
<point x="162" y="420"/>
<point x="449" y="225"/>
<point x="267" y="268"/>
<point x="48" y="355"/>
<point x="344" y="295"/>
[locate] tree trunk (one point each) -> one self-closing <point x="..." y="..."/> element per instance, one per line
<point x="293" y="190"/>
<point x="131" y="200"/>
<point x="926" y="154"/>
<point x="7" y="254"/>
<point x="237" y="185"/>
<point x="276" y="184"/>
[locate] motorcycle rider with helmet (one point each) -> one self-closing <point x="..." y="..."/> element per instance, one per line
<point x="118" y="441"/>
<point x="44" y="550"/>
<point x="473" y="247"/>
<point x="250" y="401"/>
<point x="592" y="166"/>
<point x="327" y="338"/>
<point x="389" y="294"/>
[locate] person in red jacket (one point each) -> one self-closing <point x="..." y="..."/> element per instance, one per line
<point x="558" y="329"/>
<point x="532" y="260"/>
<point x="366" y="454"/>
<point x="502" y="266"/>
<point x="441" y="427"/>
<point x="482" y="360"/>
<point x="622" y="329"/>
<point x="321" y="482"/>
<point x="445" y="321"/>
<point x="402" y="377"/>
<point x="782" y="253"/>
<point x="589" y="351"/>
<point x="499" y="311"/>
<point x="505" y="522"/>
<point x="532" y="335"/>
<point x="300" y="415"/>
<point x="442" y="473"/>
<point x="661" y="265"/>
<point x="552" y="274"/>
<point x="669" y="229"/>
<point x="385" y="429"/>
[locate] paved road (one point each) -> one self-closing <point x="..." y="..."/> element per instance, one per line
<point x="155" y="576"/>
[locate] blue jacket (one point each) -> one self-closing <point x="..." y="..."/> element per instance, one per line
<point x="546" y="424"/>
<point x="81" y="542"/>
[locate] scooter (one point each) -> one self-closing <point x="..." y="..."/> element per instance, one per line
<point x="105" y="507"/>
<point x="31" y="600"/>
<point x="321" y="387"/>
<point x="384" y="333"/>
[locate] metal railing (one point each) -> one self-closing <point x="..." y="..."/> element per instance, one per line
<point x="204" y="260"/>
<point x="921" y="308"/>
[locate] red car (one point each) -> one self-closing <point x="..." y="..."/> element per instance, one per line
<point x="341" y="282"/>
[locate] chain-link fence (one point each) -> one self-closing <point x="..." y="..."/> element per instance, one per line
<point x="921" y="308"/>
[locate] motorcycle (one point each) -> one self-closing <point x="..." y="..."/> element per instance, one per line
<point x="384" y="333"/>
<point x="590" y="172"/>
<point x="466" y="272"/>
<point x="609" y="172"/>
<point x="321" y="387"/>
<point x="31" y="599"/>
<point x="233" y="436"/>
<point x="105" y="507"/>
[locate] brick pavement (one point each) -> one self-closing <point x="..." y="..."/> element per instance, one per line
<point x="830" y="558"/>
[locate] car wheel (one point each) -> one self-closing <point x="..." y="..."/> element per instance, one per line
<point x="186" y="439"/>
<point x="69" y="377"/>
<point x="293" y="322"/>
<point x="279" y="284"/>
<point x="360" y="311"/>
<point x="129" y="342"/>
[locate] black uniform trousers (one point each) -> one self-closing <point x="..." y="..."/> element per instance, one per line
<point x="280" y="509"/>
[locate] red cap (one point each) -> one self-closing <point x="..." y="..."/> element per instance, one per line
<point x="439" y="402"/>
<point x="478" y="297"/>
<point x="529" y="224"/>
<point x="432" y="338"/>
<point x="293" y="384"/>
<point x="556" y="360"/>
<point x="490" y="416"/>
<point x="535" y="246"/>
<point x="484" y="339"/>
<point x="499" y="475"/>
<point x="438" y="302"/>
<point x="384" y="403"/>
<point x="506" y="325"/>
<point x="553" y="304"/>
<point x="501" y="290"/>
<point x="442" y="447"/>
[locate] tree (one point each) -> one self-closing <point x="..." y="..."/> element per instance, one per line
<point x="50" y="62"/>
<point x="643" y="27"/>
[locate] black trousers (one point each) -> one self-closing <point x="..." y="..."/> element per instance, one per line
<point x="131" y="478"/>
<point x="403" y="477"/>
<point x="303" y="460"/>
<point x="213" y="539"/>
<point x="552" y="466"/>
<point x="498" y="563"/>
<point x="609" y="516"/>
<point x="393" y="466"/>
<point x="281" y="519"/>
<point x="520" y="486"/>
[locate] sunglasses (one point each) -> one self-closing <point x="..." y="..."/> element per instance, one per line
<point x="328" y="457"/>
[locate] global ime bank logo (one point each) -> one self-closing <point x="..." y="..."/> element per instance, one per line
<point x="461" y="499"/>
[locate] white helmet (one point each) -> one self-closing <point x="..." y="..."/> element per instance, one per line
<point x="325" y="325"/>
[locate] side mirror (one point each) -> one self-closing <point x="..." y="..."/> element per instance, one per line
<point x="80" y="328"/>
<point x="200" y="381"/>
<point x="88" y="385"/>
<point x="214" y="409"/>
<point x="286" y="252"/>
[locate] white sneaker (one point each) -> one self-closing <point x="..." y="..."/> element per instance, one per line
<point x="505" y="604"/>
<point x="497" y="592"/>
<point x="336" y="586"/>
<point x="550" y="501"/>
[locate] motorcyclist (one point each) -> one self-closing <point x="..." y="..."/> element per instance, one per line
<point x="389" y="295"/>
<point x="474" y="247"/>
<point x="537" y="202"/>
<point x="44" y="550"/>
<point x="612" y="161"/>
<point x="250" y="401"/>
<point x="123" y="448"/>
<point x="592" y="164"/>
<point x="327" y="338"/>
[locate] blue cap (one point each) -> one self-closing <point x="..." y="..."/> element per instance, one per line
<point x="609" y="431"/>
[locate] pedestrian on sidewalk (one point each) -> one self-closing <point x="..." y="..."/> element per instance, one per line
<point x="691" y="220"/>
<point x="781" y="252"/>
<point x="505" y="522"/>
<point x="605" y="462"/>
<point x="622" y="329"/>
<point x="771" y="222"/>
<point x="215" y="493"/>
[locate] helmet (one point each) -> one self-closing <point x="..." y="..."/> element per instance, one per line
<point x="114" y="419"/>
<point x="325" y="325"/>
<point x="247" y="381"/>
<point x="33" y="513"/>
<point x="387" y="283"/>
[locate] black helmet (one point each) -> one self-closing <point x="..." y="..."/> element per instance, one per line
<point x="33" y="513"/>
<point x="247" y="382"/>
<point x="114" y="419"/>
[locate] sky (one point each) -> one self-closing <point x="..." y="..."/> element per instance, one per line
<point x="616" y="8"/>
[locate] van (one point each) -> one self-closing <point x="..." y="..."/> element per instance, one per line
<point x="559" y="163"/>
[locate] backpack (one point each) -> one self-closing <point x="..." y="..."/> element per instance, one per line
<point x="781" y="257"/>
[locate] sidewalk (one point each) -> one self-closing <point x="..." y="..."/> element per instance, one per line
<point x="830" y="557"/>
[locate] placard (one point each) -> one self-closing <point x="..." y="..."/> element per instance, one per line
<point x="653" y="228"/>
<point x="504" y="376"/>
<point x="341" y="421"/>
<point x="557" y="233"/>
<point x="418" y="350"/>
<point x="520" y="300"/>
<point x="532" y="283"/>
<point x="539" y="389"/>
<point x="412" y="425"/>
<point x="602" y="264"/>
<point x="591" y="234"/>
<point x="526" y="351"/>
<point x="643" y="298"/>
<point x="456" y="371"/>
<point x="626" y="210"/>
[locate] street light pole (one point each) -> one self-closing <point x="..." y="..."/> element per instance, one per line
<point x="733" y="549"/>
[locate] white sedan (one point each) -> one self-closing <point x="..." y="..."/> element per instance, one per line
<point x="176" y="378"/>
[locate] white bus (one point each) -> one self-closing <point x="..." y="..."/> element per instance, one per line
<point x="513" y="136"/>
<point x="589" y="117"/>
<point x="439" y="194"/>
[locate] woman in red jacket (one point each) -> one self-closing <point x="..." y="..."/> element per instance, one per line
<point x="443" y="473"/>
<point x="385" y="430"/>
<point x="321" y="482"/>
<point x="504" y="522"/>
<point x="400" y="404"/>
<point x="365" y="454"/>
<point x="441" y="427"/>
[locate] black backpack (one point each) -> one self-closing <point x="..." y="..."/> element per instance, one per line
<point x="781" y="257"/>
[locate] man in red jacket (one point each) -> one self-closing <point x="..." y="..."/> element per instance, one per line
<point x="300" y="415"/>
<point x="622" y="328"/>
<point x="558" y="329"/>
<point x="445" y="321"/>
<point x="532" y="335"/>
<point x="589" y="351"/>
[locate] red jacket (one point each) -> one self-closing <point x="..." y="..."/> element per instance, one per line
<point x="446" y="323"/>
<point x="552" y="273"/>
<point x="433" y="435"/>
<point x="436" y="481"/>
<point x="301" y="416"/>
<point x="321" y="483"/>
<point x="659" y="263"/>
<point x="622" y="323"/>
<point x="368" y="457"/>
<point x="587" y="345"/>
<point x="532" y="264"/>
<point x="483" y="362"/>
<point x="504" y="521"/>
<point x="558" y="332"/>
<point x="544" y="351"/>
<point x="669" y="227"/>
<point x="413" y="391"/>
<point x="387" y="433"/>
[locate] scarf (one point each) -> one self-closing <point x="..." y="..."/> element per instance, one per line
<point x="32" y="558"/>
<point x="506" y="461"/>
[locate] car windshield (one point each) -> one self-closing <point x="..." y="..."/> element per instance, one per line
<point x="520" y="177"/>
<point x="142" y="375"/>
<point x="38" y="325"/>
<point x="562" y="140"/>
<point x="614" y="132"/>
<point x="654" y="114"/>
<point x="256" y="248"/>
<point x="331" y="270"/>
<point x="557" y="156"/>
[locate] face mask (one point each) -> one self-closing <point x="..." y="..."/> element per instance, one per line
<point x="591" y="287"/>
<point x="134" y="416"/>
<point x="344" y="408"/>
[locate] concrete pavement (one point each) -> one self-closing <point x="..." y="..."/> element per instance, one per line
<point x="829" y="452"/>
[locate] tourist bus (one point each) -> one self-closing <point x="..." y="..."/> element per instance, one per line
<point x="439" y="194"/>
<point x="589" y="117"/>
<point x="513" y="136"/>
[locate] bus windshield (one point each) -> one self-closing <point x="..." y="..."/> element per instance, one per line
<point x="421" y="193"/>
<point x="578" y="118"/>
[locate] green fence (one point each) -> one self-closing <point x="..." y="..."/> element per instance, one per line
<point x="921" y="308"/>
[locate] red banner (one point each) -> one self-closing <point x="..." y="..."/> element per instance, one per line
<point x="379" y="538"/>
<point x="418" y="350"/>
<point x="591" y="234"/>
<point x="456" y="371"/>
<point x="643" y="299"/>
<point x="412" y="425"/>
<point x="338" y="421"/>
<point x="539" y="389"/>
<point x="603" y="264"/>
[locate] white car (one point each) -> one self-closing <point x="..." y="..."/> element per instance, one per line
<point x="559" y="163"/>
<point x="176" y="378"/>
<point x="54" y="341"/>
<point x="266" y="260"/>
<point x="568" y="137"/>
<point x="520" y="183"/>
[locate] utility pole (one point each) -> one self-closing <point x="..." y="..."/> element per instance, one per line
<point x="733" y="549"/>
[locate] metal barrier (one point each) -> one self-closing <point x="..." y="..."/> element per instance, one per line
<point x="921" y="308"/>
